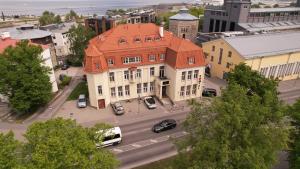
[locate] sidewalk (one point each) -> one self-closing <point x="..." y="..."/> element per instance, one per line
<point x="289" y="85"/>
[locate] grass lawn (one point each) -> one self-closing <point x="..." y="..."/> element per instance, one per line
<point x="162" y="164"/>
<point x="81" y="88"/>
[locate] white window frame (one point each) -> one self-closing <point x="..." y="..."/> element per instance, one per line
<point x="189" y="76"/>
<point x="151" y="86"/>
<point x="194" y="90"/>
<point x="145" y="87"/>
<point x="183" y="76"/>
<point x="191" y="60"/>
<point x="152" y="71"/>
<point x="110" y="62"/>
<point x="111" y="76"/>
<point x="127" y="90"/>
<point x="120" y="92"/>
<point x="188" y="90"/>
<point x="113" y="92"/>
<point x="182" y="91"/>
<point x="126" y="74"/>
<point x="162" y="56"/>
<point x="100" y="91"/>
<point x="139" y="88"/>
<point x="131" y="60"/>
<point x="196" y="74"/>
<point x="152" y="58"/>
<point x="138" y="73"/>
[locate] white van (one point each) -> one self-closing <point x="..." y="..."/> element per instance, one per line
<point x="112" y="136"/>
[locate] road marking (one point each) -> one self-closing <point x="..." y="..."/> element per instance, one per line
<point x="153" y="141"/>
<point x="136" y="145"/>
<point x="136" y="132"/>
<point x="117" y="150"/>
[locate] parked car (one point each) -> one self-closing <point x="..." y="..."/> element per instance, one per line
<point x="118" y="108"/>
<point x="81" y="103"/>
<point x="65" y="66"/>
<point x="164" y="125"/>
<point x="209" y="92"/>
<point x="150" y="102"/>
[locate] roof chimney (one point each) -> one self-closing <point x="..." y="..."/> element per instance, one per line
<point x="5" y="35"/>
<point x="161" y="30"/>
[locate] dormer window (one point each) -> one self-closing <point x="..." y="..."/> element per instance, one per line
<point x="110" y="62"/>
<point x="148" y="39"/>
<point x="157" y="38"/>
<point x="151" y="58"/>
<point x="137" y="39"/>
<point x="122" y="41"/>
<point x="191" y="60"/>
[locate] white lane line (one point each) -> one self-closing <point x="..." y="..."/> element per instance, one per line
<point x="136" y="145"/>
<point x="145" y="143"/>
<point x="153" y="141"/>
<point x="117" y="150"/>
<point x="136" y="132"/>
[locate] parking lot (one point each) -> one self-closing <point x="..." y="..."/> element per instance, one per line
<point x="133" y="111"/>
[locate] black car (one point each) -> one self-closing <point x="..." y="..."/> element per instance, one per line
<point x="65" y="67"/>
<point x="209" y="92"/>
<point x="164" y="125"/>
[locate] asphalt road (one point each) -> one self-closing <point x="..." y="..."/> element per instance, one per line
<point x="141" y="146"/>
<point x="290" y="97"/>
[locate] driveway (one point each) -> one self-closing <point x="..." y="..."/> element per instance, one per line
<point x="133" y="112"/>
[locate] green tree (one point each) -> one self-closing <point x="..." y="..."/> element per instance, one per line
<point x="59" y="143"/>
<point x="23" y="78"/>
<point x="79" y="38"/>
<point x="49" y="18"/>
<point x="294" y="157"/>
<point x="9" y="151"/>
<point x="235" y="131"/>
<point x="71" y="16"/>
<point x="252" y="80"/>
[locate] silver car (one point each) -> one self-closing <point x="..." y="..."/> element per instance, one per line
<point x="81" y="103"/>
<point x="118" y="108"/>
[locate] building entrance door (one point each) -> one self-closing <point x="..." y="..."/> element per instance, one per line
<point x="164" y="91"/>
<point x="101" y="103"/>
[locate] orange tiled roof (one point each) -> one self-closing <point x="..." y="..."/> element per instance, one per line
<point x="134" y="40"/>
<point x="5" y="43"/>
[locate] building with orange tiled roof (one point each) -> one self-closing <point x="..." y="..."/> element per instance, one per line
<point x="6" y="41"/>
<point x="137" y="60"/>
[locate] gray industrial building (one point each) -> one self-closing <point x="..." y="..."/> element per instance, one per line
<point x="237" y="15"/>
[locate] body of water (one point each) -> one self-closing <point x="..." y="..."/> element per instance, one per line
<point x="88" y="7"/>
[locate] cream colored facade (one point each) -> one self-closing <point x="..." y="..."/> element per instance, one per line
<point x="107" y="89"/>
<point x="284" y="66"/>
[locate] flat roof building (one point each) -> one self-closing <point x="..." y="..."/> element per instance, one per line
<point x="137" y="60"/>
<point x="274" y="55"/>
<point x="237" y="15"/>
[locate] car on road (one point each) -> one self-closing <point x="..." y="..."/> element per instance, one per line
<point x="108" y="137"/>
<point x="150" y="102"/>
<point x="65" y="66"/>
<point x="164" y="125"/>
<point x="209" y="92"/>
<point x="118" y="108"/>
<point x="81" y="103"/>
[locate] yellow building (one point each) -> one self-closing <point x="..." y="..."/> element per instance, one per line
<point x="273" y="55"/>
